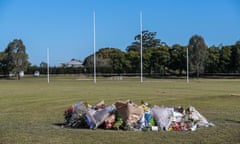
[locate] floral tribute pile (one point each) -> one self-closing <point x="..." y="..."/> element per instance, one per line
<point x="130" y="116"/>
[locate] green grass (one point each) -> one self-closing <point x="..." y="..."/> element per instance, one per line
<point x="29" y="108"/>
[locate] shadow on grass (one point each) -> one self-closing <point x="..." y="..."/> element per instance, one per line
<point x="64" y="126"/>
<point x="232" y="121"/>
<point x="58" y="125"/>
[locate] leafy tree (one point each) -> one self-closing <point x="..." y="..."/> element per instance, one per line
<point x="159" y="60"/>
<point x="225" y="59"/>
<point x="111" y="60"/>
<point x="88" y="63"/>
<point x="148" y="41"/>
<point x="178" y="58"/>
<point x="15" y="58"/>
<point x="152" y="49"/>
<point x="1" y="62"/>
<point x="133" y="57"/>
<point x="235" y="57"/>
<point x="164" y="58"/>
<point x="212" y="65"/>
<point x="198" y="54"/>
<point x="117" y="60"/>
<point x="147" y="66"/>
<point x="102" y="64"/>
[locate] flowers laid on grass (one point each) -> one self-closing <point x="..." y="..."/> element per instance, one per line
<point x="130" y="116"/>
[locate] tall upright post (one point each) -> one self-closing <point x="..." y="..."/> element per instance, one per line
<point x="141" y="46"/>
<point x="48" y="65"/>
<point x="187" y="67"/>
<point x="94" y="45"/>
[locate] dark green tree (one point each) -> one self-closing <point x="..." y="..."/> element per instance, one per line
<point x="117" y="60"/>
<point x="15" y="57"/>
<point x="159" y="60"/>
<point x="147" y="66"/>
<point x="110" y="60"/>
<point x="1" y="63"/>
<point x="88" y="63"/>
<point x="133" y="57"/>
<point x="213" y="60"/>
<point x="149" y="40"/>
<point x="152" y="49"/>
<point x="225" y="59"/>
<point x="164" y="58"/>
<point x="178" y="58"/>
<point x="235" y="58"/>
<point x="197" y="53"/>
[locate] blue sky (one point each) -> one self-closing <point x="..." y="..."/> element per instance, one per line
<point x="66" y="26"/>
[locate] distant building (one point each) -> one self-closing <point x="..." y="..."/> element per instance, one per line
<point x="73" y="63"/>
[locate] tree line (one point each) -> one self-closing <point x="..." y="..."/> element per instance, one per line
<point x="158" y="58"/>
<point x="162" y="59"/>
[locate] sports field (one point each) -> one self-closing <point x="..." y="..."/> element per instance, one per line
<point x="30" y="109"/>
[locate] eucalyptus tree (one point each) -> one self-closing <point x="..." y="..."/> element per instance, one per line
<point x="15" y="57"/>
<point x="198" y="54"/>
<point x="149" y="40"/>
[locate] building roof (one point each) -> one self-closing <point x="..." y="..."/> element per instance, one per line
<point x="74" y="63"/>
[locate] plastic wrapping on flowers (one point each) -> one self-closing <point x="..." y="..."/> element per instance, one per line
<point x="126" y="115"/>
